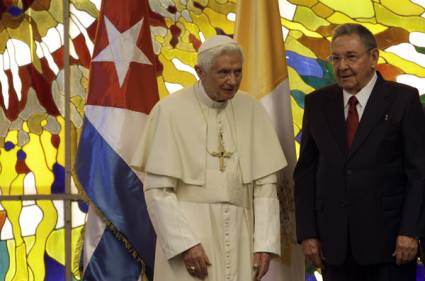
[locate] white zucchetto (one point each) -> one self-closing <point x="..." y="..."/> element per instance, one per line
<point x="216" y="41"/>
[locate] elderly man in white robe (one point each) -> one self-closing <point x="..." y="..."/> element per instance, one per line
<point x="210" y="157"/>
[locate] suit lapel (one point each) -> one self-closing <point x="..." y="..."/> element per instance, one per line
<point x="334" y="112"/>
<point x="375" y="108"/>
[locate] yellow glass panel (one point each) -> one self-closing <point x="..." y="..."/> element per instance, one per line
<point x="61" y="149"/>
<point x="386" y="17"/>
<point x="29" y="231"/>
<point x="56" y="9"/>
<point x="313" y="23"/>
<point x="219" y="20"/>
<point x="170" y="73"/>
<point x="191" y="7"/>
<point x="359" y="9"/>
<point x="190" y="27"/>
<point x="296" y="34"/>
<point x="8" y="161"/>
<point x="366" y="20"/>
<point x="39" y="161"/>
<point x="86" y="6"/>
<point x="203" y="22"/>
<point x="44" y="229"/>
<point x="45" y="18"/>
<point x="55" y="247"/>
<point x="308" y="3"/>
<point x="161" y="87"/>
<point x="4" y="36"/>
<point x="403" y="7"/>
<point x="297" y="149"/>
<point x="50" y="152"/>
<point x="76" y="242"/>
<point x="17" y="261"/>
<point x="297" y="115"/>
<point x="222" y="6"/>
<point x="79" y="85"/>
<point x="375" y="28"/>
<point x="340" y="18"/>
<point x="299" y="27"/>
<point x="322" y="10"/>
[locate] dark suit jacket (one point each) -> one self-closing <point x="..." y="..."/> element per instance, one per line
<point x="366" y="196"/>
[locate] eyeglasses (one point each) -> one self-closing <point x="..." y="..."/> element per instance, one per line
<point x="349" y="58"/>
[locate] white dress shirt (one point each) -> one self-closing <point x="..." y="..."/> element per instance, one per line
<point x="362" y="97"/>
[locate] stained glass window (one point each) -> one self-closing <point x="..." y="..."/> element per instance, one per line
<point x="38" y="136"/>
<point x="41" y="118"/>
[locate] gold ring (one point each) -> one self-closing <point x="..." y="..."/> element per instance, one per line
<point x="192" y="268"/>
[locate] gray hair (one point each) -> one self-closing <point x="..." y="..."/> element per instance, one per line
<point x="206" y="58"/>
<point x="367" y="38"/>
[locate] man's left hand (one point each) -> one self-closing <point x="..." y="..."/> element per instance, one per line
<point x="406" y="249"/>
<point x="261" y="264"/>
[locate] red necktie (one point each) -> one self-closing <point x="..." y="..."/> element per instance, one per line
<point x="352" y="121"/>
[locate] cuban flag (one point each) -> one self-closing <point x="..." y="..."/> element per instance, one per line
<point x="119" y="238"/>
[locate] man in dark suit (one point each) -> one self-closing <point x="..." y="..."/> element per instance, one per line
<point x="360" y="178"/>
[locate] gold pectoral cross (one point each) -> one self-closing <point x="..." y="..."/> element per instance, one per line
<point x="221" y="153"/>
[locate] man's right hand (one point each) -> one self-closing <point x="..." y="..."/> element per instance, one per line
<point x="312" y="249"/>
<point x="196" y="261"/>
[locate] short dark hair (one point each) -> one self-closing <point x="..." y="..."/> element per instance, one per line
<point x="367" y="38"/>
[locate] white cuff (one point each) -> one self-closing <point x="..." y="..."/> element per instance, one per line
<point x="267" y="225"/>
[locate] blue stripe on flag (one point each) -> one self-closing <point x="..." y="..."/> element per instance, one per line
<point x="117" y="191"/>
<point x="123" y="267"/>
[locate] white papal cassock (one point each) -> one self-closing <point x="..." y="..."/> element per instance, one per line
<point x="233" y="211"/>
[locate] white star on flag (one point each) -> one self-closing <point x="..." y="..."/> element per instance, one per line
<point x="122" y="49"/>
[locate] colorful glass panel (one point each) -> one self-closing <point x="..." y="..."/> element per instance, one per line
<point x="32" y="240"/>
<point x="32" y="98"/>
<point x="32" y="131"/>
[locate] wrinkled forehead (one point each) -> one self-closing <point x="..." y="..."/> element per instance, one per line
<point x="228" y="58"/>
